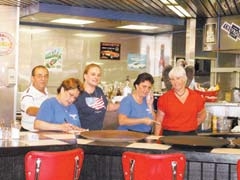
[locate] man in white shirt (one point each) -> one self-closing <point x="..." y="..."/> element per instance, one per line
<point x="33" y="96"/>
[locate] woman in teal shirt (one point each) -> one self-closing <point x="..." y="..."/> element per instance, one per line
<point x="136" y="112"/>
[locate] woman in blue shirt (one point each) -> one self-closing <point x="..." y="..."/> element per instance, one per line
<point x="59" y="113"/>
<point x="136" y="112"/>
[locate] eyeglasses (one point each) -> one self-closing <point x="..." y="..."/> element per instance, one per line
<point x="71" y="95"/>
<point x="40" y="76"/>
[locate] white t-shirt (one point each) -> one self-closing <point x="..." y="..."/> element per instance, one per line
<point x="31" y="97"/>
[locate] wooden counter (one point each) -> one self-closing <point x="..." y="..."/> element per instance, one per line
<point x="103" y="159"/>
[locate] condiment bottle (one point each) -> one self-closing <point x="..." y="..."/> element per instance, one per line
<point x="214" y="123"/>
<point x="127" y="90"/>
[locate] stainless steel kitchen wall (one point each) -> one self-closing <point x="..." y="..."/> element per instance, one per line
<point x="9" y="20"/>
<point x="221" y="35"/>
<point x="79" y="47"/>
<point x="230" y="34"/>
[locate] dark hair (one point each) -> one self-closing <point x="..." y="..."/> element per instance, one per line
<point x="38" y="67"/>
<point x="70" y="83"/>
<point x="190" y="74"/>
<point x="143" y="77"/>
<point x="165" y="77"/>
<point x="190" y="71"/>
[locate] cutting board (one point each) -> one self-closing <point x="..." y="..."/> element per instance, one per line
<point x="194" y="141"/>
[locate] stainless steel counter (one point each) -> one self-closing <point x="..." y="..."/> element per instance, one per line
<point x="223" y="103"/>
<point x="223" y="109"/>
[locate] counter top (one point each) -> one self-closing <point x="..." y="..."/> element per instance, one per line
<point x="151" y="142"/>
<point x="222" y="103"/>
<point x="105" y="157"/>
<point x="41" y="139"/>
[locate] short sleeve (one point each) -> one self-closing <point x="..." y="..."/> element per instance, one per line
<point x="125" y="106"/>
<point x="26" y="102"/>
<point x="45" y="112"/>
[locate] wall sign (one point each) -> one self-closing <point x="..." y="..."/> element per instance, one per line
<point x="232" y="29"/>
<point x="137" y="61"/>
<point x="53" y="59"/>
<point x="6" y="43"/>
<point x="110" y="50"/>
<point x="210" y="36"/>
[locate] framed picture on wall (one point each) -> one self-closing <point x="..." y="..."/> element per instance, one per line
<point x="110" y="51"/>
<point x="137" y="61"/>
<point x="210" y="33"/>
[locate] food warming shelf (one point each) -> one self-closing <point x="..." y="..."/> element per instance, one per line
<point x="224" y="109"/>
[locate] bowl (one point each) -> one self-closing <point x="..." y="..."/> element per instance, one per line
<point x="209" y="96"/>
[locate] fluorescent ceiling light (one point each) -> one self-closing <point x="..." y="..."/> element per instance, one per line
<point x="173" y="1"/>
<point x="183" y="11"/>
<point x="138" y="27"/>
<point x="89" y="35"/>
<point x="168" y="2"/>
<point x="72" y="21"/>
<point x="165" y="1"/>
<point x="175" y="10"/>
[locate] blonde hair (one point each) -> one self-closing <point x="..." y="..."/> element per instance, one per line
<point x="88" y="67"/>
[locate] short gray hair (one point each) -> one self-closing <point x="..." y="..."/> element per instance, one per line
<point x="178" y="71"/>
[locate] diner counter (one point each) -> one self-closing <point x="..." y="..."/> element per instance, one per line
<point x="103" y="158"/>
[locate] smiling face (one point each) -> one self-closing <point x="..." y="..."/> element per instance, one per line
<point x="178" y="83"/>
<point x="93" y="76"/>
<point x="40" y="78"/>
<point x="178" y="78"/>
<point x="143" y="88"/>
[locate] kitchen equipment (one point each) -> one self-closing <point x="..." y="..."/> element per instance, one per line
<point x="114" y="135"/>
<point x="209" y="96"/>
<point x="155" y="100"/>
<point x="224" y="124"/>
<point x="228" y="96"/>
<point x="236" y="142"/>
<point x="207" y="123"/>
<point x="194" y="141"/>
<point x="236" y="94"/>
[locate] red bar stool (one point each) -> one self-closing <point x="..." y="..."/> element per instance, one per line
<point x="238" y="169"/>
<point x="59" y="165"/>
<point x="142" y="166"/>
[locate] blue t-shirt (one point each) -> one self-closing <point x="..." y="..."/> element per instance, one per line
<point x="53" y="112"/>
<point x="130" y="108"/>
<point x="91" y="109"/>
